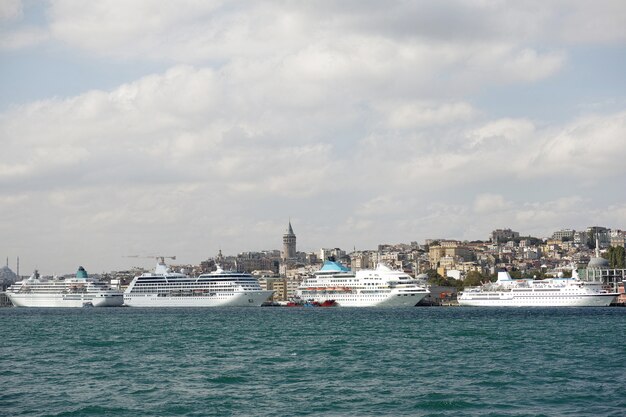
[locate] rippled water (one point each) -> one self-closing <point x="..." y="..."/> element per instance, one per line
<point x="313" y="361"/>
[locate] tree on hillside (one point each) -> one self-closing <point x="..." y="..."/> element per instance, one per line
<point x="473" y="279"/>
<point x="536" y="273"/>
<point x="435" y="279"/>
<point x="534" y="241"/>
<point x="430" y="245"/>
<point x="617" y="257"/>
<point x="432" y="275"/>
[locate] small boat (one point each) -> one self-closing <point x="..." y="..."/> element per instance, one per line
<point x="294" y="304"/>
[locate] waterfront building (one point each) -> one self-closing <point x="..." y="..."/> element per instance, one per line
<point x="311" y="258"/>
<point x="530" y="254"/>
<point x="618" y="238"/>
<point x="7" y="277"/>
<point x="272" y="283"/>
<point x="337" y="253"/>
<point x="448" y="265"/>
<point x="449" y="243"/>
<point x="503" y="235"/>
<point x="600" y="233"/>
<point x="291" y="286"/>
<point x="284" y="287"/>
<point x="455" y="274"/>
<point x="252" y="263"/>
<point x="455" y="252"/>
<point x="598" y="269"/>
<point x="567" y="234"/>
<point x="359" y="260"/>
<point x="280" y="289"/>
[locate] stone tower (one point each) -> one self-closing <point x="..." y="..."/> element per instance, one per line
<point x="289" y="243"/>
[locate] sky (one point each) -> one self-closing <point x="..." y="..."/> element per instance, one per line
<point x="143" y="128"/>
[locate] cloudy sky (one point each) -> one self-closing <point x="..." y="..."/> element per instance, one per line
<point x="178" y="128"/>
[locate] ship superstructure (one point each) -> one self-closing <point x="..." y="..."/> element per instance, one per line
<point x="165" y="288"/>
<point x="78" y="291"/>
<point x="380" y="287"/>
<point x="551" y="292"/>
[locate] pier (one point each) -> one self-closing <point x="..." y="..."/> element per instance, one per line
<point x="4" y="300"/>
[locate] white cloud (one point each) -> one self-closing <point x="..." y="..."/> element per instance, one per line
<point x="362" y="120"/>
<point x="411" y="114"/>
<point x="178" y="126"/>
<point x="614" y="215"/>
<point x="319" y="43"/>
<point x="10" y="9"/>
<point x="584" y="22"/>
<point x="539" y="216"/>
<point x="22" y="38"/>
<point x="580" y="153"/>
<point x="14" y="34"/>
<point x="489" y="203"/>
<point x="159" y="30"/>
<point x="591" y="146"/>
<point x="528" y="65"/>
<point x="507" y="130"/>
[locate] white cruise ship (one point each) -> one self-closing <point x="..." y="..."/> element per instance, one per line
<point x="79" y="291"/>
<point x="164" y="288"/>
<point x="380" y="287"/>
<point x="551" y="292"/>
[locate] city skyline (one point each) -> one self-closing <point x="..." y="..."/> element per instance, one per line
<point x="497" y="236"/>
<point x="137" y="128"/>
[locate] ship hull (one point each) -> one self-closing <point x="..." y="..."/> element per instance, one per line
<point x="506" y="300"/>
<point x="66" y="300"/>
<point x="393" y="299"/>
<point x="240" y="299"/>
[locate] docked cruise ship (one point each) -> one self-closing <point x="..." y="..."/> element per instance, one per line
<point x="551" y="292"/>
<point x="165" y="288"/>
<point x="78" y="291"/>
<point x="380" y="287"/>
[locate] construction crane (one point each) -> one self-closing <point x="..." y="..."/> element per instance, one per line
<point x="151" y="257"/>
<point x="159" y="258"/>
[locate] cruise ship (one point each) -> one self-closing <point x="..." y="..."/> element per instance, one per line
<point x="78" y="291"/>
<point x="220" y="288"/>
<point x="551" y="292"/>
<point x="380" y="287"/>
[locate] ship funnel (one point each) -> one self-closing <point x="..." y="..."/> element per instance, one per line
<point x="504" y="276"/>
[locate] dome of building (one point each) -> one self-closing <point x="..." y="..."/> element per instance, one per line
<point x="598" y="263"/>
<point x="81" y="273"/>
<point x="7" y="277"/>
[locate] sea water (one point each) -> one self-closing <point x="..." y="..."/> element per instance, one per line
<point x="313" y="361"/>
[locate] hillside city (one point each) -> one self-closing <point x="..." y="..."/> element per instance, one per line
<point x="447" y="264"/>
